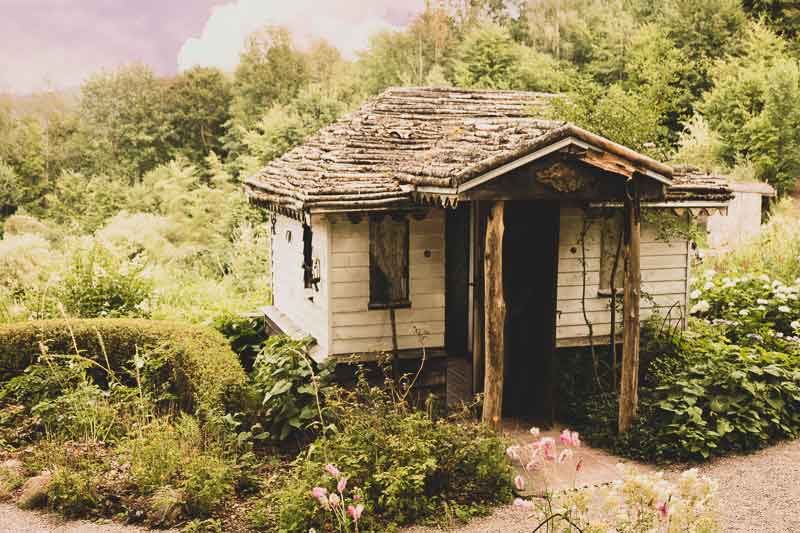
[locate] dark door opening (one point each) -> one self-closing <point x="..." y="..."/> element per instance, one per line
<point x="530" y="264"/>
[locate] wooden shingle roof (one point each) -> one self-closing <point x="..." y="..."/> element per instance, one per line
<point x="407" y="138"/>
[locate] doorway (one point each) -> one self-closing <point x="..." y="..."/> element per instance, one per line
<point x="530" y="265"/>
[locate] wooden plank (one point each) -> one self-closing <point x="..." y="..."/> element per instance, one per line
<point x="348" y="260"/>
<point x="349" y="303"/>
<point x="495" y="306"/>
<point x="629" y="379"/>
<point x="426" y="286"/>
<point x="604" y="316"/>
<point x="350" y="346"/>
<point x="604" y="303"/>
<point x="410" y="315"/>
<point x="651" y="288"/>
<point x="384" y="331"/>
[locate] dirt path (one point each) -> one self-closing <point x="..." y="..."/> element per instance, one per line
<point x="757" y="493"/>
<point x="15" y="520"/>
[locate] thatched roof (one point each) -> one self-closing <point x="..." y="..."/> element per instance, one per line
<point x="690" y="184"/>
<point x="409" y="138"/>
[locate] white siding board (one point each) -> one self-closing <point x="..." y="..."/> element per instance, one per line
<point x="357" y="329"/>
<point x="664" y="272"/>
<point x="290" y="295"/>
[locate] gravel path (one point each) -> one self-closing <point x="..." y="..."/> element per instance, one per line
<point x="15" y="520"/>
<point x="758" y="493"/>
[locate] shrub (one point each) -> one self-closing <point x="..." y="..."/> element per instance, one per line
<point x="288" y="380"/>
<point x="207" y="482"/>
<point x="98" y="284"/>
<point x="155" y="456"/>
<point x="72" y="491"/>
<point x="200" y="366"/>
<point x="408" y="466"/>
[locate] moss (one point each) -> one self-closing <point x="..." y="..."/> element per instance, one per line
<point x="203" y="368"/>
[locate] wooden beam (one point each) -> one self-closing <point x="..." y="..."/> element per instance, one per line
<point x="495" y="316"/>
<point x="629" y="381"/>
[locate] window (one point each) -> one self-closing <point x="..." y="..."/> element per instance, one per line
<point x="609" y="245"/>
<point x="309" y="281"/>
<point x="388" y="262"/>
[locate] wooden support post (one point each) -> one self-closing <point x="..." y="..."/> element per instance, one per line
<point x="495" y="316"/>
<point x="629" y="381"/>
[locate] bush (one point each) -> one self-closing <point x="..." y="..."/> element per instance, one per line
<point x="701" y="395"/>
<point x="286" y="377"/>
<point x="200" y="367"/>
<point x="407" y="466"/>
<point x="207" y="482"/>
<point x="97" y="284"/>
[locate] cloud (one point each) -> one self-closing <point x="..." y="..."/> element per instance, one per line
<point x="347" y="24"/>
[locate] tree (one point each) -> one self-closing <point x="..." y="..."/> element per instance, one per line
<point x="124" y="121"/>
<point x="197" y="107"/>
<point x="705" y="31"/>
<point x="271" y="70"/>
<point x="751" y="107"/>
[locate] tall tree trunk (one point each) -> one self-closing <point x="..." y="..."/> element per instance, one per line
<point x="629" y="382"/>
<point x="495" y="317"/>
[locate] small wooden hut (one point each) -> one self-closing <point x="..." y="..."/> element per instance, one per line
<point x="462" y="222"/>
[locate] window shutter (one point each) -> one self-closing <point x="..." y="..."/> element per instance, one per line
<point x="388" y="261"/>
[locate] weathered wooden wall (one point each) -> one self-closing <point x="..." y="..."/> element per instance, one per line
<point x="355" y="328"/>
<point x="289" y="293"/>
<point x="665" y="267"/>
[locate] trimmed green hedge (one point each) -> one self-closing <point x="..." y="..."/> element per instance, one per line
<point x="203" y="368"/>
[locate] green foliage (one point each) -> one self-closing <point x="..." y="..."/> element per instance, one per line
<point x="731" y="383"/>
<point x="73" y="491"/>
<point x="198" y="103"/>
<point x="289" y="381"/>
<point x="123" y="119"/>
<point x="97" y="284"/>
<point x="753" y="106"/>
<point x="207" y="482"/>
<point x="271" y="70"/>
<point x="198" y="363"/>
<point x="775" y="252"/>
<point x="408" y="466"/>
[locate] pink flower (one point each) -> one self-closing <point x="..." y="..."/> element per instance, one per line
<point x="519" y="483"/>
<point x="535" y="431"/>
<point x="334" y="499"/>
<point x="342" y="484"/>
<point x="356" y="497"/>
<point x="576" y="439"/>
<point x="525" y="504"/>
<point x="565" y="454"/>
<point x="548" y="445"/>
<point x="663" y="511"/>
<point x="355" y="512"/>
<point x="321" y="495"/>
<point x="332" y="470"/>
<point x="565" y="438"/>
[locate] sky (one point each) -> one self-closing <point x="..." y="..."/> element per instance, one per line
<point x="56" y="44"/>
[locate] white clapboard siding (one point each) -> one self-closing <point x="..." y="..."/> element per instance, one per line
<point x="357" y="329"/>
<point x="664" y="272"/>
<point x="290" y="295"/>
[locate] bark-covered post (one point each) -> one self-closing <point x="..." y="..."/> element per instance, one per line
<point x="629" y="382"/>
<point x="495" y="316"/>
